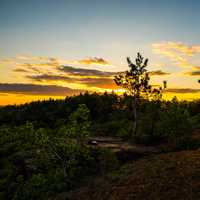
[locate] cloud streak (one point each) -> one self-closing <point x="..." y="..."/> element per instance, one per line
<point x="94" y="61"/>
<point x="34" y="89"/>
<point x="182" y="90"/>
<point x="177" y="52"/>
<point x="158" y="73"/>
<point x="68" y="74"/>
<point x="85" y="72"/>
<point x="89" y="82"/>
<point x="193" y="73"/>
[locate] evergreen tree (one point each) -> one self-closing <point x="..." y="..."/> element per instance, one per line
<point x="136" y="82"/>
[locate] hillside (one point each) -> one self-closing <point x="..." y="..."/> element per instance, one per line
<point x="165" y="176"/>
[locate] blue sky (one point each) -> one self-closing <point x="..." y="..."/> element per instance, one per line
<point x="112" y="29"/>
<point x="80" y="28"/>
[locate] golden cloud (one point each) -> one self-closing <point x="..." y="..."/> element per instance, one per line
<point x="32" y="58"/>
<point x="34" y="89"/>
<point x="193" y="73"/>
<point x="196" y="68"/>
<point x="178" y="52"/>
<point x="85" y="72"/>
<point x="182" y="90"/>
<point x="94" y="61"/>
<point x="158" y="73"/>
<point x="100" y="82"/>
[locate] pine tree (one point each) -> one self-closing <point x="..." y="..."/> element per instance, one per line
<point x="136" y="82"/>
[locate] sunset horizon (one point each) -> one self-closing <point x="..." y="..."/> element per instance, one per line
<point x="53" y="50"/>
<point x="99" y="99"/>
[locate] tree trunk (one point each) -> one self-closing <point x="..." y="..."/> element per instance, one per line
<point x="65" y="171"/>
<point x="135" y="117"/>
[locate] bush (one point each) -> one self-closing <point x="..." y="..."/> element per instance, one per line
<point x="195" y="120"/>
<point x="187" y="143"/>
<point x="174" y="122"/>
<point x="79" y="124"/>
<point x="169" y="121"/>
<point x="116" y="128"/>
<point x="147" y="133"/>
<point x="34" y="188"/>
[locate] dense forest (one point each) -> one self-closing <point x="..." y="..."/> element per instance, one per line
<point x="50" y="148"/>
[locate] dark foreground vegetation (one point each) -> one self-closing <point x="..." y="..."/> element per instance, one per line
<point x="44" y="149"/>
<point x="48" y="150"/>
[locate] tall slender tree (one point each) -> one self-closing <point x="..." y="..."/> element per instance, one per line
<point x="136" y="82"/>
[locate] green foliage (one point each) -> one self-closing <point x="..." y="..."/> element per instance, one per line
<point x="195" y="120"/>
<point x="79" y="124"/>
<point x="35" y="188"/>
<point x="187" y="143"/>
<point x="163" y="121"/>
<point x="116" y="128"/>
<point x="147" y="126"/>
<point x="136" y="80"/>
<point x="37" y="163"/>
<point x="174" y="121"/>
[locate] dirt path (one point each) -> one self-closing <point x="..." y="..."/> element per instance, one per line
<point x="118" y="145"/>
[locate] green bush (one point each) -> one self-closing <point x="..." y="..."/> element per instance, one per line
<point x="195" y="120"/>
<point x="34" y="188"/>
<point x="116" y="128"/>
<point x="79" y="124"/>
<point x="174" y="122"/>
<point x="171" y="121"/>
<point x="187" y="143"/>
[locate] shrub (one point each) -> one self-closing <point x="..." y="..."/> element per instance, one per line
<point x="195" y="120"/>
<point x="174" y="122"/>
<point x="169" y="121"/>
<point x="187" y="143"/>
<point x="79" y="124"/>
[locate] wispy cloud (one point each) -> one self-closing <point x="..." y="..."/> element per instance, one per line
<point x="32" y="58"/>
<point x="56" y="73"/>
<point x="21" y="70"/>
<point x="194" y="72"/>
<point x="46" y="61"/>
<point x="158" y="73"/>
<point x="7" y="61"/>
<point x="84" y="72"/>
<point x="34" y="89"/>
<point x="94" y="61"/>
<point x="88" y="78"/>
<point x="182" y="90"/>
<point x="178" y="53"/>
<point x="99" y="82"/>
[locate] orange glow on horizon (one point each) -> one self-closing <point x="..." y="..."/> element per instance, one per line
<point x="11" y="99"/>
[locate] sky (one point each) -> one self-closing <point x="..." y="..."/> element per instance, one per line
<point x="54" y="48"/>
